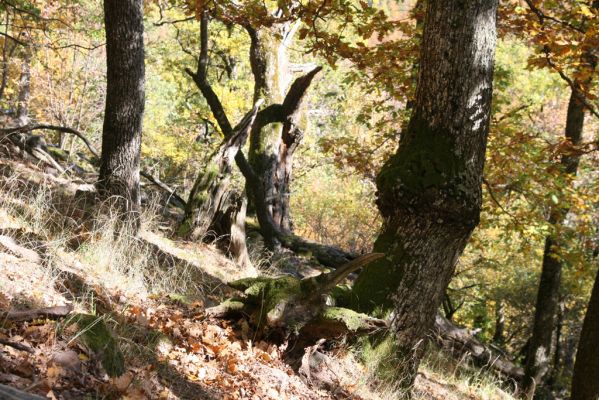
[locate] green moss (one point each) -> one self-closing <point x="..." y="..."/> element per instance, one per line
<point x="341" y="295"/>
<point x="179" y="298"/>
<point x="379" y="279"/>
<point x="59" y="153"/>
<point x="247" y="283"/>
<point x="426" y="159"/>
<point x="380" y="355"/>
<point x="351" y="319"/>
<point x="185" y="228"/>
<point x="280" y="289"/>
<point x="96" y="335"/>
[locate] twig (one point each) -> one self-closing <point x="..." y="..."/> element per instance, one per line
<point x="17" y="346"/>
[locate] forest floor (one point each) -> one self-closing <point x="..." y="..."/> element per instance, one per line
<point x="151" y="294"/>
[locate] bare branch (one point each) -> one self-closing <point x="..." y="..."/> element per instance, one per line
<point x="200" y="78"/>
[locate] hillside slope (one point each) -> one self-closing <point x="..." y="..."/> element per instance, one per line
<point x="136" y="312"/>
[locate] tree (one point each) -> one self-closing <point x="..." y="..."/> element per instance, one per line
<point x="121" y="136"/>
<point x="582" y="66"/>
<point x="429" y="192"/>
<point x="539" y="354"/>
<point x="585" y="381"/>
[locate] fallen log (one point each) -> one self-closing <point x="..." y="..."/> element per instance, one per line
<point x="298" y="306"/>
<point x="15" y="345"/>
<point x="9" y="393"/>
<point x="44" y="156"/>
<point x="29" y="315"/>
<point x="461" y="343"/>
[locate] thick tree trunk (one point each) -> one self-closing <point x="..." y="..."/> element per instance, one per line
<point x="429" y="192"/>
<point x="272" y="146"/>
<point x="125" y="95"/>
<point x="539" y="354"/>
<point x="585" y="381"/>
<point x="214" y="208"/>
<point x="24" y="90"/>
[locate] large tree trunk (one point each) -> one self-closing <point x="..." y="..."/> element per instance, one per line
<point x="272" y="146"/>
<point x="429" y="192"/>
<point x="125" y="95"/>
<point x="539" y="354"/>
<point x="585" y="381"/>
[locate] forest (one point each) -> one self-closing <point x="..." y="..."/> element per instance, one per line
<point x="299" y="199"/>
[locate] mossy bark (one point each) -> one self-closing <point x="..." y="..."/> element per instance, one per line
<point x="298" y="306"/>
<point x="272" y="146"/>
<point x="429" y="192"/>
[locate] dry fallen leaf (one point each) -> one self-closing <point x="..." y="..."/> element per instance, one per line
<point x="122" y="382"/>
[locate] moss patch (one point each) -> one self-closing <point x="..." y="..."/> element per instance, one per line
<point x="96" y="335"/>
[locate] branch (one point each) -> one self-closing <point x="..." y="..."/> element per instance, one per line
<point x="324" y="283"/>
<point x="200" y="79"/>
<point x="492" y="194"/>
<point x="17" y="346"/>
<point x="298" y="90"/>
<point x="542" y="17"/>
<point x="30" y="315"/>
<point x="328" y="256"/>
<point x="14" y="39"/>
<point x="571" y="83"/>
<point x="64" y="129"/>
<point x="291" y="103"/>
<point x="177" y="200"/>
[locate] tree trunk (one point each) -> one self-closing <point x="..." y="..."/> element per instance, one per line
<point x="498" y="335"/>
<point x="539" y="354"/>
<point x="272" y="146"/>
<point x="429" y="192"/>
<point x="125" y="95"/>
<point x="24" y="90"/>
<point x="585" y="381"/>
<point x="213" y="206"/>
<point x="8" y="49"/>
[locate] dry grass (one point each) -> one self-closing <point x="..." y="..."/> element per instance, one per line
<point x="41" y="213"/>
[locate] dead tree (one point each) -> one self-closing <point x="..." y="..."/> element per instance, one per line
<point x="209" y="201"/>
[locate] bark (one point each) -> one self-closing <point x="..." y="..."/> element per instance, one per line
<point x="229" y="227"/>
<point x="30" y="315"/>
<point x="9" y="393"/>
<point x="212" y="188"/>
<point x="8" y="50"/>
<point x="125" y="95"/>
<point x="539" y="353"/>
<point x="326" y="255"/>
<point x="272" y="146"/>
<point x="429" y="192"/>
<point x="24" y="90"/>
<point x="585" y="381"/>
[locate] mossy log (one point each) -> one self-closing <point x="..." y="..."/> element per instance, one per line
<point x="299" y="306"/>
